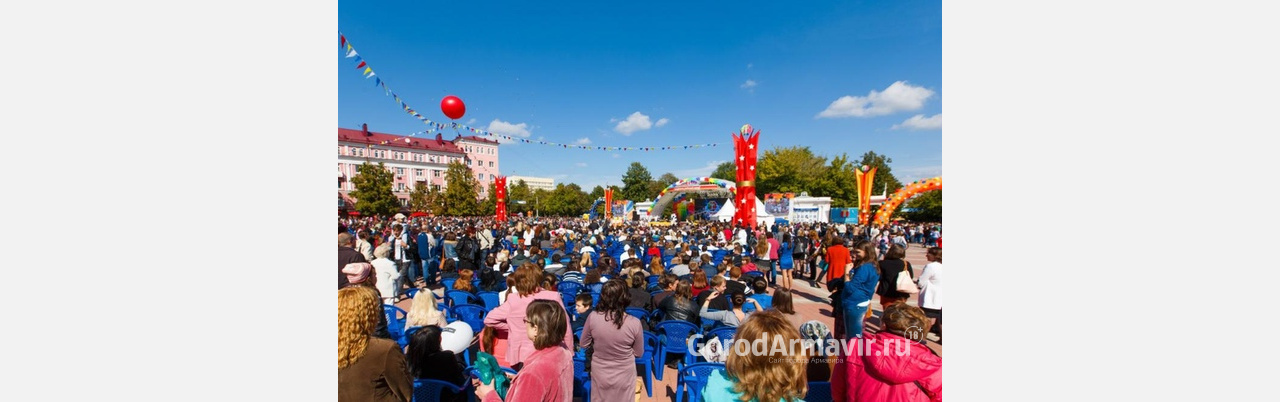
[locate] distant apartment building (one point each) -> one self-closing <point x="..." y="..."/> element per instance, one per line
<point x="414" y="161"/>
<point x="545" y="183"/>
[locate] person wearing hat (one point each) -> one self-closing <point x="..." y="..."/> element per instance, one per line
<point x="361" y="274"/>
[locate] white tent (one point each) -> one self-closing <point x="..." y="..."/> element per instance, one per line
<point x="726" y="213"/>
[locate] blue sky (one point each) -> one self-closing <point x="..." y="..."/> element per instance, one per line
<point x="837" y="76"/>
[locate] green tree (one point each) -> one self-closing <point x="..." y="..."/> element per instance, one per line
<point x="667" y="179"/>
<point x="539" y="202"/>
<point x="597" y="192"/>
<point x="636" y="183"/>
<point x="790" y="170"/>
<point x="840" y="183"/>
<point x="373" y="191"/>
<point x="727" y="171"/>
<point x="461" y="194"/>
<point x="519" y="192"/>
<point x="884" y="174"/>
<point x="420" y="198"/>
<point x="928" y="206"/>
<point x="489" y="205"/>
<point x="566" y="200"/>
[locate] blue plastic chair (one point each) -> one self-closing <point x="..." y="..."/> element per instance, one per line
<point x="448" y="283"/>
<point x="653" y="280"/>
<point x="595" y="288"/>
<point x="819" y="391"/>
<point x="568" y="290"/>
<point x="433" y="390"/>
<point x="651" y="346"/>
<point x="638" y="313"/>
<point x="410" y="292"/>
<point x="456" y="297"/>
<point x="673" y="334"/>
<point x="654" y="293"/>
<point x="693" y="378"/>
<point x="577" y="340"/>
<point x="581" y="379"/>
<point x="472" y="314"/>
<point x="395" y="323"/>
<point x="490" y="300"/>
<point x="723" y="333"/>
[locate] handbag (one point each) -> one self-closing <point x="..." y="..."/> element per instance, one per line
<point x="905" y="284"/>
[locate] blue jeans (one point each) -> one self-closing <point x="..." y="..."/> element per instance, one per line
<point x="853" y="318"/>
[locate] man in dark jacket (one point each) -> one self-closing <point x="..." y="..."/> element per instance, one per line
<point x="346" y="254"/>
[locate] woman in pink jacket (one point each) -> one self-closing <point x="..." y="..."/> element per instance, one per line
<point x="547" y="375"/>
<point x="510" y="315"/>
<point x="891" y="366"/>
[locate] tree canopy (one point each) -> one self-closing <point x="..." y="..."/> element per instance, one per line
<point x="372" y="192"/>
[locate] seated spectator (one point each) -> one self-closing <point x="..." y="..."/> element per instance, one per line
<point x="700" y="284"/>
<point x="668" y="285"/>
<point x="424" y="312"/>
<point x="582" y="302"/>
<point x="427" y="361"/>
<point x="760" y="292"/>
<point x="369" y="368"/>
<point x="680" y="305"/>
<point x="640" y="298"/>
<point x="777" y="375"/>
<point x="733" y="316"/>
<point x="718" y="286"/>
<point x="464" y="281"/>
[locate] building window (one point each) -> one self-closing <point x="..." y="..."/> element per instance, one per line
<point x="490" y="163"/>
<point x="417" y="158"/>
<point x="437" y="173"/>
<point x="480" y="177"/>
<point x="492" y="177"/>
<point x="417" y="172"/>
<point x="399" y="171"/>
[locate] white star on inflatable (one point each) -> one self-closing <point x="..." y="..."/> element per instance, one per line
<point x="753" y="167"/>
<point x="751" y="146"/>
<point x="741" y="157"/>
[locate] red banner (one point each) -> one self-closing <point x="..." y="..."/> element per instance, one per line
<point x="744" y="156"/>
<point x="500" y="187"/>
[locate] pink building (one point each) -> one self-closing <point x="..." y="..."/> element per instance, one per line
<point x="414" y="161"/>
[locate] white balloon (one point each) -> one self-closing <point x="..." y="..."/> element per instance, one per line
<point x="456" y="336"/>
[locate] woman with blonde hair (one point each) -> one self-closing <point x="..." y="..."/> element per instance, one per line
<point x="423" y="312"/>
<point x="369" y="368"/>
<point x="779" y="374"/>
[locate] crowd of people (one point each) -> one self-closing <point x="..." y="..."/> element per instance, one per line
<point x="708" y="274"/>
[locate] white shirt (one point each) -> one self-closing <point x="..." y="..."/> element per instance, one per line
<point x="387" y="274"/>
<point x="930" y="281"/>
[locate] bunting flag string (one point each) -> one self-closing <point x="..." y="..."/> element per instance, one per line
<point x="367" y="72"/>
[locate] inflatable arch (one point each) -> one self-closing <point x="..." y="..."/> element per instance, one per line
<point x="904" y="193"/>
<point x="678" y="189"/>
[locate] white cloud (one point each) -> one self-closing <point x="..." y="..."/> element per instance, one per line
<point x="635" y="122"/>
<point x="698" y="171"/>
<point x="898" y="97"/>
<point x="472" y="121"/>
<point x="616" y="156"/>
<point x="580" y="164"/>
<point x="661" y="122"/>
<point x="583" y="141"/>
<point x="749" y="65"/>
<point x="511" y="130"/>
<point x="910" y="174"/>
<point x="919" y="122"/>
<point x="750" y="85"/>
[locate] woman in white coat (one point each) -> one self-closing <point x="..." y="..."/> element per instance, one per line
<point x="387" y="274"/>
<point x="930" y="282"/>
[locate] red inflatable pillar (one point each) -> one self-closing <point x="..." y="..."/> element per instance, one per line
<point x="744" y="156"/>
<point x="500" y="185"/>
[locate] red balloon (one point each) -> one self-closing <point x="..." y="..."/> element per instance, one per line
<point x="453" y="107"/>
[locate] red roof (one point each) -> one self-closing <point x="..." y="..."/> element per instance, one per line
<point x="477" y="139"/>
<point x="398" y="141"/>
